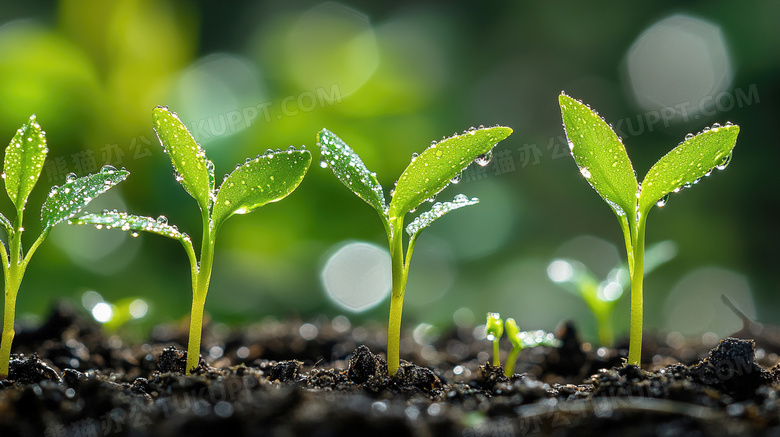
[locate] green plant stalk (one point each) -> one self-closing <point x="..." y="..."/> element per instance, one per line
<point x="511" y="359"/>
<point x="201" y="277"/>
<point x="14" y="267"/>
<point x="400" y="274"/>
<point x="496" y="353"/>
<point x="604" y="323"/>
<point x="637" y="272"/>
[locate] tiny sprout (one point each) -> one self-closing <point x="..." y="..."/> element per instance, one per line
<point x="602" y="296"/>
<point x="22" y="165"/>
<point x="426" y="175"/>
<point x="495" y="328"/>
<point x="603" y="161"/>
<point x="264" y="179"/>
<point x="521" y="340"/>
<point x="513" y="333"/>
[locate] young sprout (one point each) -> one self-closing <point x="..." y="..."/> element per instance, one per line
<point x="521" y="340"/>
<point x="24" y="158"/>
<point x="266" y="178"/>
<point x="428" y="173"/>
<point x="602" y="296"/>
<point x="603" y="162"/>
<point x="495" y="328"/>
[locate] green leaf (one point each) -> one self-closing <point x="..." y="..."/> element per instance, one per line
<point x="75" y="194"/>
<point x="600" y="155"/>
<point x="131" y="223"/>
<point x="350" y="170"/>
<point x="437" y="211"/>
<point x="267" y="178"/>
<point x="435" y="168"/>
<point x="23" y="162"/>
<point x="193" y="171"/>
<point x="693" y="159"/>
<point x="494" y="326"/>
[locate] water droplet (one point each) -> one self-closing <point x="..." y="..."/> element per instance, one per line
<point x="716" y="125"/>
<point x="484" y="159"/>
<point x="460" y="198"/>
<point x="415" y="155"/>
<point x="291" y="149"/>
<point x="108" y="169"/>
<point x="324" y="164"/>
<point x="585" y="172"/>
<point x="725" y="163"/>
<point x="162" y="220"/>
<point x="247" y="160"/>
<point x="663" y="201"/>
<point x="688" y="137"/>
<point x="70" y="177"/>
<point x="456" y="179"/>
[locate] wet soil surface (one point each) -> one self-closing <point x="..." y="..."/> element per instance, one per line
<point x="328" y="378"/>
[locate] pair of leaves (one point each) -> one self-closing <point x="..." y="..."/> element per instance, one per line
<point x="603" y="160"/>
<point x="267" y="178"/>
<point x="426" y="175"/>
<point x="22" y="165"/>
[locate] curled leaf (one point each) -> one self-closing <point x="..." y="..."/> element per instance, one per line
<point x="131" y="223"/>
<point x="438" y="210"/>
<point x="68" y="200"/>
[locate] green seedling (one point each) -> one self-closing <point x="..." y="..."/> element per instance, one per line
<point x="524" y="339"/>
<point x="604" y="163"/>
<point x="427" y="174"/>
<point x="24" y="158"/>
<point x="602" y="296"/>
<point x="495" y="329"/>
<point x="266" y="178"/>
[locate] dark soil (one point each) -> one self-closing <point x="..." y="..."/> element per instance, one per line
<point x="267" y="380"/>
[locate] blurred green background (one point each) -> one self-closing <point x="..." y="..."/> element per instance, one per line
<point x="388" y="78"/>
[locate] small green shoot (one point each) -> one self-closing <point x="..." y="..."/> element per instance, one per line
<point x="521" y="340"/>
<point x="22" y="165"/>
<point x="427" y="174"/>
<point x="604" y="163"/>
<point x="602" y="296"/>
<point x="495" y="329"/>
<point x="266" y="178"/>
